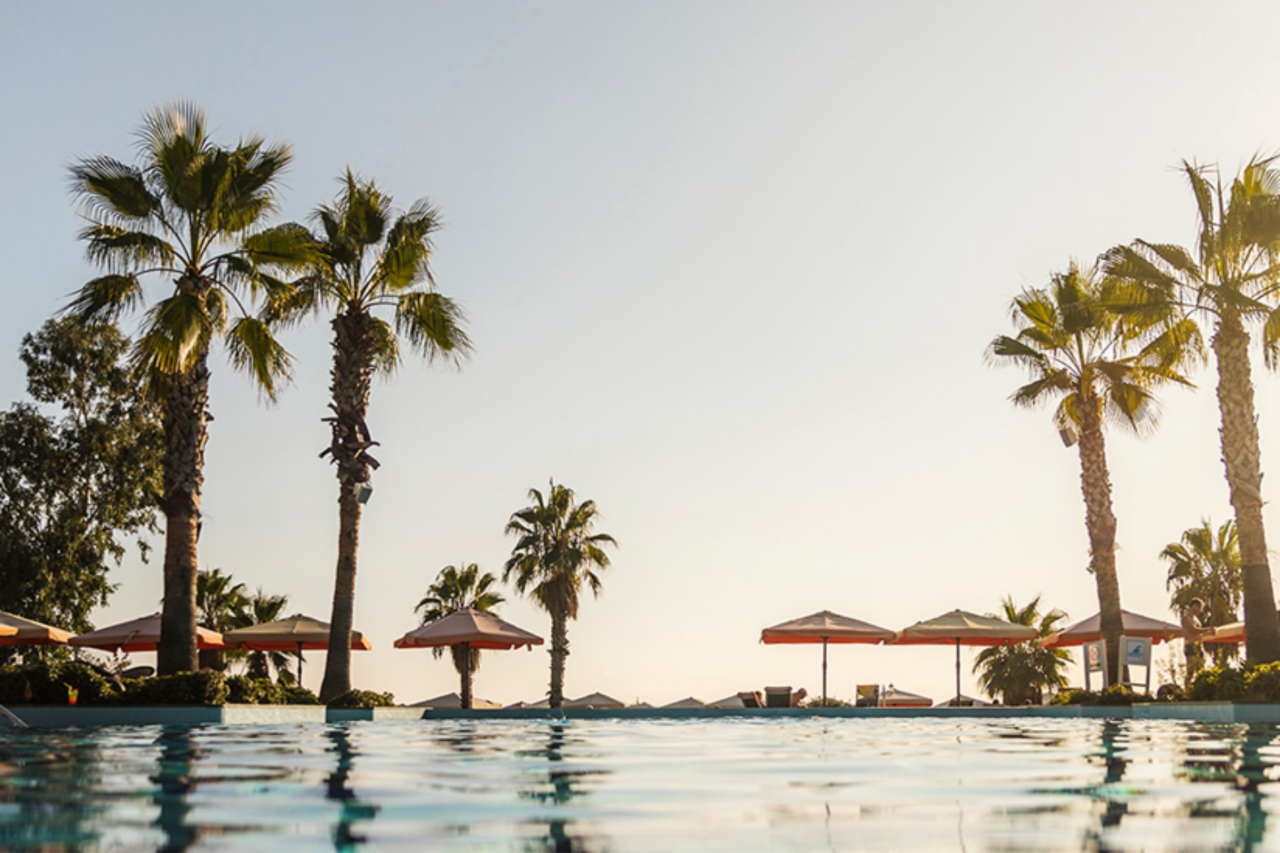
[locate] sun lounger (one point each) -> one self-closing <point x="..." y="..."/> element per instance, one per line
<point x="777" y="697"/>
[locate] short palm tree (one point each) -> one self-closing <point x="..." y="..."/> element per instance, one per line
<point x="219" y="602"/>
<point x="260" y="609"/>
<point x="556" y="554"/>
<point x="1020" y="673"/>
<point x="192" y="212"/>
<point x="1230" y="281"/>
<point x="368" y="259"/>
<point x="1205" y="564"/>
<point x="457" y="589"/>
<point x="1102" y="368"/>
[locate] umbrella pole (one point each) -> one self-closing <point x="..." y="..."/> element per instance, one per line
<point x="299" y="664"/>
<point x="824" y="672"/>
<point x="957" y="672"/>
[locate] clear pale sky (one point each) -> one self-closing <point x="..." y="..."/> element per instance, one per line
<point x="730" y="270"/>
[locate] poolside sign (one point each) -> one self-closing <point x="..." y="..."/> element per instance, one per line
<point x="1095" y="660"/>
<point x="1136" y="651"/>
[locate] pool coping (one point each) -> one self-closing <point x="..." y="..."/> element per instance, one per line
<point x="64" y="716"/>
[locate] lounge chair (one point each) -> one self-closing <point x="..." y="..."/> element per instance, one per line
<point x="751" y="699"/>
<point x="777" y="697"/>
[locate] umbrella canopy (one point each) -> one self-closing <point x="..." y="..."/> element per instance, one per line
<point x="140" y="635"/>
<point x="297" y="633"/>
<point x="595" y="700"/>
<point x="825" y="627"/>
<point x="1134" y="625"/>
<point x="453" y="700"/>
<point x="892" y="697"/>
<point x="17" y="631"/>
<point x="962" y="628"/>
<point x="1232" y="632"/>
<point x="479" y="630"/>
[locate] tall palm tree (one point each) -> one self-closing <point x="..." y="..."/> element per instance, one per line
<point x="1205" y="564"/>
<point x="1102" y="368"/>
<point x="219" y="603"/>
<point x="457" y="589"/>
<point x="193" y="212"/>
<point x="556" y="554"/>
<point x="1020" y="673"/>
<point x="260" y="609"/>
<point x="368" y="259"/>
<point x="1230" y="281"/>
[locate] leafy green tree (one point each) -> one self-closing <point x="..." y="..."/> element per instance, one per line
<point x="259" y="609"/>
<point x="78" y="483"/>
<point x="1205" y="564"/>
<point x="1102" y="368"/>
<point x="369" y="259"/>
<point x="192" y="211"/>
<point x="457" y="589"/>
<point x="1229" y="282"/>
<point x="1020" y="673"/>
<point x="220" y="604"/>
<point x="556" y="554"/>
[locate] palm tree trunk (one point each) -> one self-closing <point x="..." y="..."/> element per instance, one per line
<point x="186" y="430"/>
<point x="1242" y="456"/>
<point x="353" y="351"/>
<point x="466" y="676"/>
<point x="1095" y="482"/>
<point x="559" y="651"/>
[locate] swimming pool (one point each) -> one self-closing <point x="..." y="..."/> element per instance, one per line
<point x="595" y="785"/>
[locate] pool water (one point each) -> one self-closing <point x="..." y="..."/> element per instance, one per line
<point x="595" y="785"/>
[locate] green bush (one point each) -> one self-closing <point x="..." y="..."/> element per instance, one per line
<point x="1075" y="696"/>
<point x="184" y="688"/>
<point x="363" y="699"/>
<point x="1217" y="684"/>
<point x="294" y="695"/>
<point x="92" y="686"/>
<point x="1262" y="683"/>
<point x="46" y="684"/>
<point x="1170" y="693"/>
<point x="831" y="702"/>
<point x="1120" y="694"/>
<point x="243" y="690"/>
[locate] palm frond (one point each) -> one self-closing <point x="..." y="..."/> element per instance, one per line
<point x="106" y="297"/>
<point x="255" y="350"/>
<point x="432" y="323"/>
<point x="175" y="331"/>
<point x="113" y="191"/>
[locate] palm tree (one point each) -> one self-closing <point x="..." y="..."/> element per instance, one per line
<point x="1205" y="564"/>
<point x="1020" y="673"/>
<point x="1231" y="281"/>
<point x="1102" y="368"/>
<point x="367" y="259"/>
<point x="191" y="211"/>
<point x="219" y="603"/>
<point x="457" y="589"/>
<point x="557" y="552"/>
<point x="259" y="609"/>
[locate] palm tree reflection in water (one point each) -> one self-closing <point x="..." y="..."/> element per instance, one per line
<point x="174" y="780"/>
<point x="562" y="787"/>
<point x="353" y="811"/>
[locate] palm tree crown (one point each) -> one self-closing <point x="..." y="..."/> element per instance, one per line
<point x="1205" y="564"/>
<point x="557" y="552"/>
<point x="1019" y="673"/>
<point x="457" y="589"/>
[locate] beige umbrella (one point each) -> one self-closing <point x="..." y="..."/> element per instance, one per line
<point x="17" y="631"/>
<point x="892" y="697"/>
<point x="960" y="627"/>
<point x="825" y="627"/>
<point x="296" y="633"/>
<point x="1232" y="632"/>
<point x="453" y="700"/>
<point x="595" y="700"/>
<point x="139" y="635"/>
<point x="1133" y="625"/>
<point x="470" y="629"/>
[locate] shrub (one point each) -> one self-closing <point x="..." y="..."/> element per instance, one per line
<point x="1262" y="683"/>
<point x="1217" y="684"/>
<point x="294" y="695"/>
<point x="92" y="686"/>
<point x="46" y="684"/>
<point x="1170" y="693"/>
<point x="363" y="699"/>
<point x="184" y="688"/>
<point x="1119" y="694"/>
<point x="244" y="690"/>
<point x="831" y="702"/>
<point x="1075" y="696"/>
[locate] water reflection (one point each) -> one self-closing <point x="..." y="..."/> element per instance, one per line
<point x="175" y="780"/>
<point x="45" y="786"/>
<point x="353" y="811"/>
<point x="560" y="787"/>
<point x="1251" y="773"/>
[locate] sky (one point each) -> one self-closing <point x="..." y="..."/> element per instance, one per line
<point x="730" y="270"/>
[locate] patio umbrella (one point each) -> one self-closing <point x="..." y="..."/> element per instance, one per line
<point x="295" y="633"/>
<point x="964" y="629"/>
<point x="892" y="697"/>
<point x="825" y="627"/>
<point x="1232" y="632"/>
<point x="139" y="635"/>
<point x="1134" y="625"/>
<point x="17" y="631"/>
<point x="470" y="629"/>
